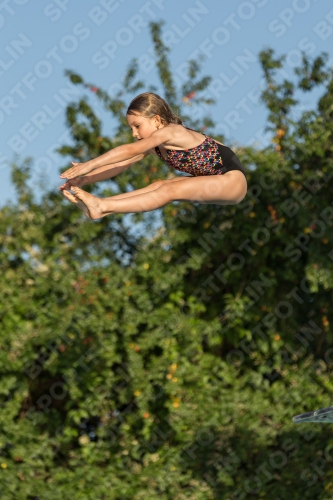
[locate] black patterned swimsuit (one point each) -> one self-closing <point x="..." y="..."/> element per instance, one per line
<point x="209" y="158"/>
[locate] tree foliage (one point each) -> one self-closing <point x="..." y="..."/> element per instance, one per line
<point x="169" y="365"/>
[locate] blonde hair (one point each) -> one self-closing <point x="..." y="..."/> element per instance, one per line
<point x="149" y="104"/>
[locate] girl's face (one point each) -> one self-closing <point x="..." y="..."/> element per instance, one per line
<point x="143" y="127"/>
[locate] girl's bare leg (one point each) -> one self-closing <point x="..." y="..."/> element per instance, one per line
<point x="228" y="189"/>
<point x="137" y="192"/>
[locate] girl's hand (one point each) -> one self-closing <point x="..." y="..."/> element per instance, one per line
<point x="76" y="170"/>
<point x="76" y="181"/>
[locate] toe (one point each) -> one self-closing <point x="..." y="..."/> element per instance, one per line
<point x="69" y="196"/>
<point x="77" y="191"/>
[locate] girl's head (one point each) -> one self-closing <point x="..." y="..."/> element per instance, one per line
<point x="148" y="112"/>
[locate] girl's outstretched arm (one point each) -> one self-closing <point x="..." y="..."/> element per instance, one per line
<point x="103" y="173"/>
<point x="108" y="171"/>
<point x="121" y="153"/>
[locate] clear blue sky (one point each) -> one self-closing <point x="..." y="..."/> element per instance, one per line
<point x="97" y="39"/>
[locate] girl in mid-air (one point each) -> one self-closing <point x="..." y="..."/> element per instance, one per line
<point x="216" y="174"/>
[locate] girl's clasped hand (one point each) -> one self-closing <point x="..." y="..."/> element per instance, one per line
<point x="73" y="181"/>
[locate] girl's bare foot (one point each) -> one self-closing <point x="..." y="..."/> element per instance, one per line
<point x="76" y="202"/>
<point x="89" y="205"/>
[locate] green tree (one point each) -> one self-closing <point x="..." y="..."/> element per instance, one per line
<point x="169" y="365"/>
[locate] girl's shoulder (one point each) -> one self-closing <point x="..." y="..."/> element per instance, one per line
<point x="183" y="137"/>
<point x="179" y="129"/>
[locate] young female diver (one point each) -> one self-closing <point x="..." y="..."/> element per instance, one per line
<point x="217" y="175"/>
